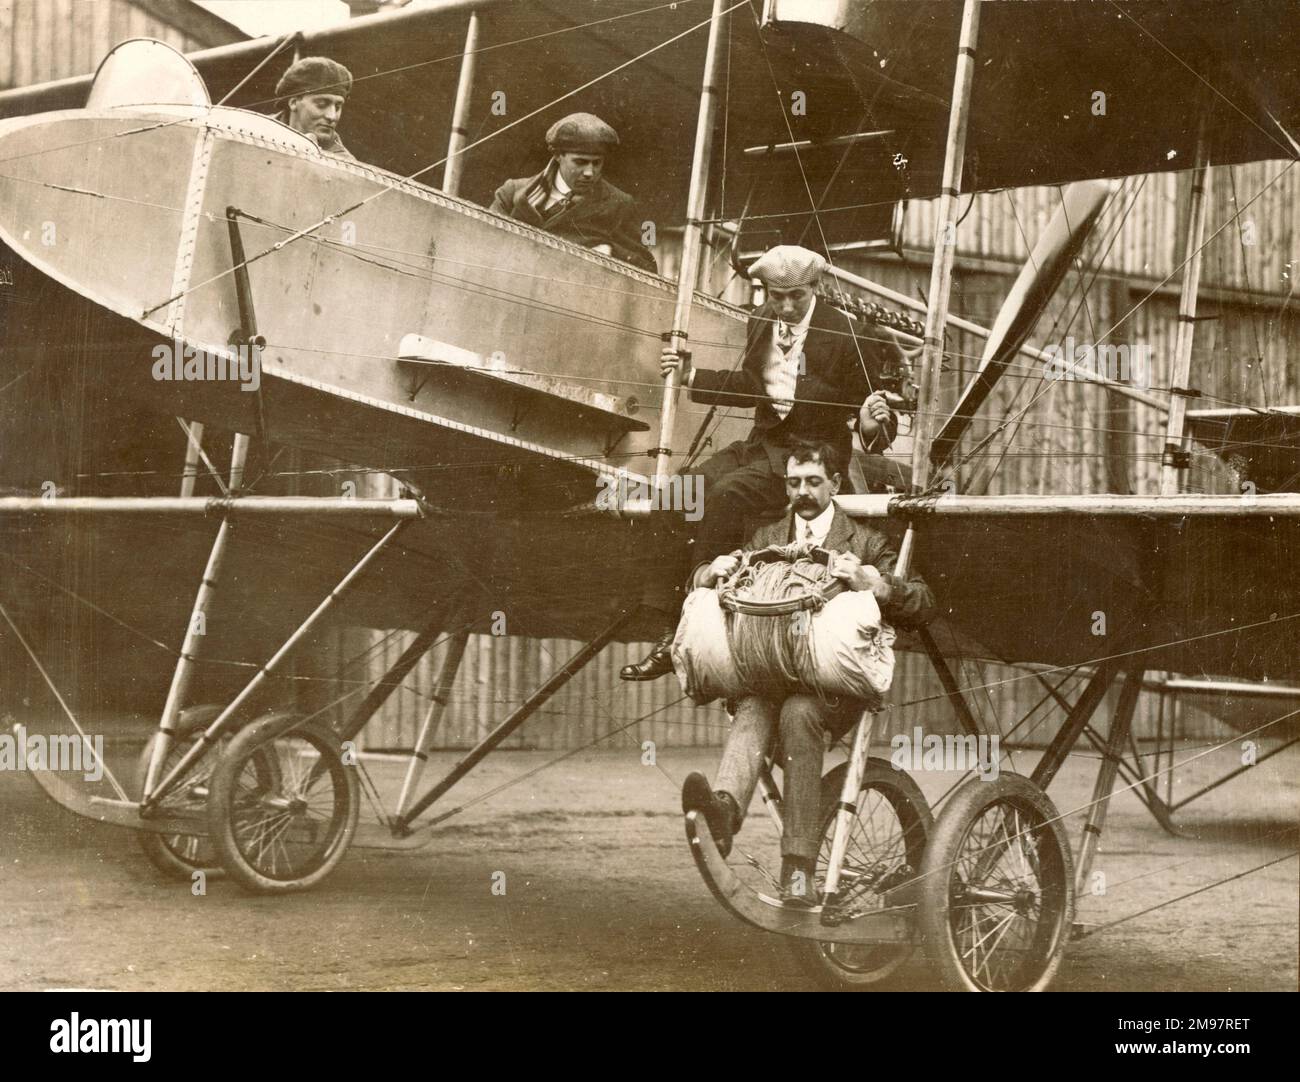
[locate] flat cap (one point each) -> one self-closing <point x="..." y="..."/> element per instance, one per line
<point x="787" y="266"/>
<point x="581" y="133"/>
<point x="314" y="75"/>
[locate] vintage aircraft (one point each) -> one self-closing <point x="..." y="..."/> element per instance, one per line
<point x="506" y="378"/>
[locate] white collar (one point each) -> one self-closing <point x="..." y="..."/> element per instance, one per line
<point x="558" y="185"/>
<point x="819" y="527"/>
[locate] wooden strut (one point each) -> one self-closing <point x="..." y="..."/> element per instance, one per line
<point x="1084" y="707"/>
<point x="392" y="679"/>
<point x="225" y="719"/>
<point x="965" y="716"/>
<point x="923" y="425"/>
<point x="945" y="248"/>
<point x="246" y="335"/>
<point x="183" y="674"/>
<point x="402" y="824"/>
<point x="437" y="707"/>
<point x="1175" y="461"/>
<point x="1132" y="776"/>
<point x="688" y="267"/>
<point x="1120" y="725"/>
<point x="455" y="164"/>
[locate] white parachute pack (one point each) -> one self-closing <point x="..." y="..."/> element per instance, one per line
<point x="781" y="625"/>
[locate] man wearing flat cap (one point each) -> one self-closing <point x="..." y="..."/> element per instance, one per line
<point x="809" y="378"/>
<point x="571" y="199"/>
<point x="311" y="96"/>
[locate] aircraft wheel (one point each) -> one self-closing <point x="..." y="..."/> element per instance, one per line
<point x="282" y="829"/>
<point x="887" y="842"/>
<point x="997" y="888"/>
<point x="178" y="856"/>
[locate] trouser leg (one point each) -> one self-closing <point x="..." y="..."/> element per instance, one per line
<point x="747" y="745"/>
<point x="804" y="720"/>
<point x="692" y="542"/>
<point x="737" y="499"/>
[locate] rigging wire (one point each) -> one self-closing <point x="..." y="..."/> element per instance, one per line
<point x="386" y="188"/>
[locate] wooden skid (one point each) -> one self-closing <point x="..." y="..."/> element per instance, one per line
<point x="125" y="813"/>
<point x="870" y="929"/>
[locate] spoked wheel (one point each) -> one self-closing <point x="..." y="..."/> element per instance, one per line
<point x="178" y="856"/>
<point x="997" y="888"/>
<point x="887" y="841"/>
<point x="285" y="829"/>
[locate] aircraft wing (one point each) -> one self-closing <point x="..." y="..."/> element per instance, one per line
<point x="884" y="68"/>
<point x="1205" y="583"/>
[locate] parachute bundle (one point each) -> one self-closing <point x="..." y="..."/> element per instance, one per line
<point x="782" y="625"/>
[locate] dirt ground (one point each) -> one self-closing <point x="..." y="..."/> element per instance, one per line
<point x="601" y="893"/>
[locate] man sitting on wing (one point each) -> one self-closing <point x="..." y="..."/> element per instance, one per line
<point x="312" y="93"/>
<point x="571" y="199"/>
<point x="865" y="561"/>
<point x="807" y="375"/>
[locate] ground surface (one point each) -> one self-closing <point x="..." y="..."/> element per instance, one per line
<point x="601" y="894"/>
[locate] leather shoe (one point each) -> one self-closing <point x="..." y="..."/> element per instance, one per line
<point x="657" y="663"/>
<point x="717" y="808"/>
<point x="799" y="883"/>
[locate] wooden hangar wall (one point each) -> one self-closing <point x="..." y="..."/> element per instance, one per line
<point x="42" y="40"/>
<point x="1077" y="438"/>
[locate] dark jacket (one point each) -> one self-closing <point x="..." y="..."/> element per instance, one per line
<point x="606" y="216"/>
<point x="828" y="394"/>
<point x="911" y="606"/>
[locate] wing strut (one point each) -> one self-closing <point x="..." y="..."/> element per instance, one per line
<point x="1176" y="459"/>
<point x="455" y="164"/>
<point x="945" y="247"/>
<point x="688" y="267"/>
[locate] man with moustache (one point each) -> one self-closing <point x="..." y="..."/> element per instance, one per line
<point x="864" y="560"/>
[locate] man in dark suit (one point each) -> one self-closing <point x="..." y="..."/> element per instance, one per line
<point x="864" y="560"/>
<point x="807" y="375"/>
<point x="571" y="199"/>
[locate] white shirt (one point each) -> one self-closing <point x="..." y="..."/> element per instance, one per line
<point x="559" y="190"/>
<point x="814" y="530"/>
<point x="781" y="373"/>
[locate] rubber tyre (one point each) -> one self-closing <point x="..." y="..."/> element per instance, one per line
<point x="179" y="856"/>
<point x="237" y="804"/>
<point x="965" y="854"/>
<point x="835" y="966"/>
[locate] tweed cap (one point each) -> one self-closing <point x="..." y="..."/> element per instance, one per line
<point x="787" y="266"/>
<point x="581" y="133"/>
<point x="314" y="75"/>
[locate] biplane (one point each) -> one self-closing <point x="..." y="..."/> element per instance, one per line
<point x="155" y="222"/>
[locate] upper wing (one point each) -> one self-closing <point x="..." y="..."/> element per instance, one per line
<point x="880" y="67"/>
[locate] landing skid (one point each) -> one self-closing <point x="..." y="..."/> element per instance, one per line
<point x="126" y="813"/>
<point x="890" y="925"/>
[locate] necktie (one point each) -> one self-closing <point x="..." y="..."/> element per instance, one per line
<point x="783" y="376"/>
